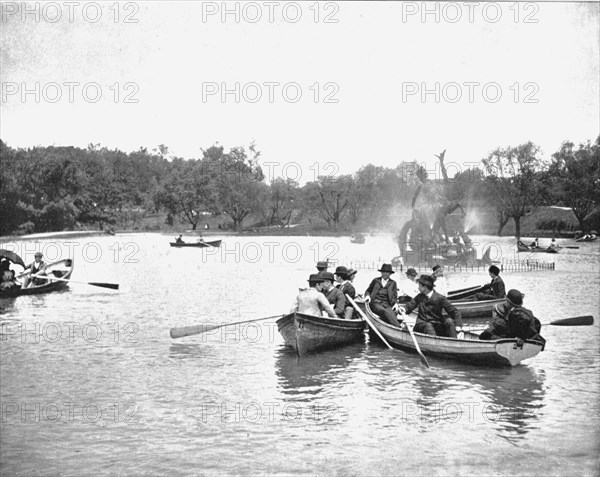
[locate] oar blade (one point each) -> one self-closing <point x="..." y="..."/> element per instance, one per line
<point x="112" y="286"/>
<point x="191" y="330"/>
<point x="585" y="320"/>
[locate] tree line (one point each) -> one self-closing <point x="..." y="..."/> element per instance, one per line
<point x="64" y="188"/>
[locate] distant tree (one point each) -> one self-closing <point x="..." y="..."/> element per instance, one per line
<point x="574" y="178"/>
<point x="329" y="197"/>
<point x="280" y="201"/>
<point x="513" y="177"/>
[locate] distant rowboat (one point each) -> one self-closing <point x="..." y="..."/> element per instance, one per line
<point x="200" y="244"/>
<point x="307" y="333"/>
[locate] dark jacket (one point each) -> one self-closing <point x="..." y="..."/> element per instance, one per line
<point x="337" y="300"/>
<point x="347" y="288"/>
<point x="522" y="324"/>
<point x="392" y="290"/>
<point x="497" y="287"/>
<point x="430" y="309"/>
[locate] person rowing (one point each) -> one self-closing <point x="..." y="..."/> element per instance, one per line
<point x="430" y="306"/>
<point x="492" y="291"/>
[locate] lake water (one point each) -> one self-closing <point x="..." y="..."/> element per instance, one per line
<point x="92" y="383"/>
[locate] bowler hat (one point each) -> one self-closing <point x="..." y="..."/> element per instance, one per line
<point x="327" y="276"/>
<point x="411" y="272"/>
<point x="342" y="271"/>
<point x="322" y="265"/>
<point x="436" y="268"/>
<point x="351" y="272"/>
<point x="515" y="297"/>
<point x="494" y="269"/>
<point x="386" y="267"/>
<point x="315" y="278"/>
<point x="39" y="254"/>
<point x="426" y="280"/>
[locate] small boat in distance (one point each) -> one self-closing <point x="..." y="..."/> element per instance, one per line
<point x="308" y="333"/>
<point x="358" y="238"/>
<point x="61" y="269"/>
<point x="524" y="248"/>
<point x="503" y="352"/>
<point x="201" y="243"/>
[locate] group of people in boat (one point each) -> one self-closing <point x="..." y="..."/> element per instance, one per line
<point x="327" y="291"/>
<point x="8" y="278"/>
<point x="536" y="244"/>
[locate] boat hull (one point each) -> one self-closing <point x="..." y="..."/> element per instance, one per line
<point x="61" y="269"/>
<point x="520" y="248"/>
<point x="501" y="353"/>
<point x="307" y="333"/>
<point x="212" y="243"/>
<point x="473" y="310"/>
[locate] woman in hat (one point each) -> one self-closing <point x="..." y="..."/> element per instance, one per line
<point x="383" y="295"/>
<point x="311" y="301"/>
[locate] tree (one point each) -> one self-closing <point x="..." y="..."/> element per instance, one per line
<point x="329" y="197"/>
<point x="574" y="178"/>
<point x="280" y="201"/>
<point x="512" y="174"/>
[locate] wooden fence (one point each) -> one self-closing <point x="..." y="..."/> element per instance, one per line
<point x="504" y="265"/>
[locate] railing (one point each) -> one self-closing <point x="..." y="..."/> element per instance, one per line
<point x="505" y="265"/>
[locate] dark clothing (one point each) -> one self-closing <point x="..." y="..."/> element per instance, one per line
<point x="36" y="267"/>
<point x="497" y="328"/>
<point x="347" y="289"/>
<point x="497" y="287"/>
<point x="337" y="300"/>
<point x="388" y="295"/>
<point x="430" y="319"/>
<point x="383" y="299"/>
<point x="522" y="324"/>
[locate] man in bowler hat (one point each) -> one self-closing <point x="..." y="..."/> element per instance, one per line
<point x="431" y="305"/>
<point x="383" y="295"/>
<point x="346" y="287"/>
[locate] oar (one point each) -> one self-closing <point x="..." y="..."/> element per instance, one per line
<point x="203" y="328"/>
<point x="454" y="292"/>
<point x="112" y="286"/>
<point x="584" y="320"/>
<point x="570" y="246"/>
<point x="364" y="317"/>
<point x="412" y="335"/>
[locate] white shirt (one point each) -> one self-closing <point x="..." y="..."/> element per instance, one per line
<point x="408" y="288"/>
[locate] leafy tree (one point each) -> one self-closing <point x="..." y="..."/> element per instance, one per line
<point x="512" y="175"/>
<point x="574" y="178"/>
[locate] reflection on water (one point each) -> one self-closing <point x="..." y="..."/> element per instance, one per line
<point x="367" y="409"/>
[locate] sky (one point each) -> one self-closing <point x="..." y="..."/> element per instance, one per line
<point x="322" y="88"/>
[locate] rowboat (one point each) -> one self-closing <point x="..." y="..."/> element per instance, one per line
<point x="587" y="238"/>
<point x="61" y="269"/>
<point x="456" y="295"/>
<point x="476" y="309"/>
<point x="358" y="238"/>
<point x="521" y="248"/>
<point x="200" y="244"/>
<point x="503" y="352"/>
<point x="307" y="333"/>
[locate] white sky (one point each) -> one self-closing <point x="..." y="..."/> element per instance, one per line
<point x="373" y="52"/>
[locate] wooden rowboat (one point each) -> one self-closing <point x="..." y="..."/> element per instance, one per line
<point x="470" y="310"/>
<point x="504" y="352"/>
<point x="201" y="244"/>
<point x="521" y="248"/>
<point x="61" y="269"/>
<point x="308" y="333"/>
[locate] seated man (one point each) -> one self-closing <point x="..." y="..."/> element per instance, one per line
<point x="179" y="240"/>
<point x="36" y="268"/>
<point x="497" y="328"/>
<point x="430" y="305"/>
<point x="311" y="301"/>
<point x="520" y="322"/>
<point x="383" y="295"/>
<point x="408" y="288"/>
<point x="494" y="290"/>
<point x="346" y="288"/>
<point x="334" y="295"/>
